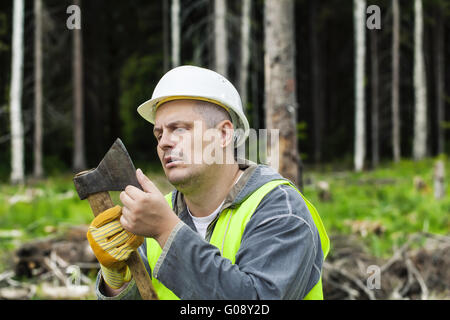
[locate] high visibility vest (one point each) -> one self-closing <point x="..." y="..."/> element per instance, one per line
<point x="227" y="235"/>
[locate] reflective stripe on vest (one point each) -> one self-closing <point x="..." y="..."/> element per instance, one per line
<point x="227" y="235"/>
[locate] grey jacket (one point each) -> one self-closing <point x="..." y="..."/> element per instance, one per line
<point x="280" y="256"/>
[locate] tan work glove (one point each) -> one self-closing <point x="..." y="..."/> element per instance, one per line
<point x="112" y="245"/>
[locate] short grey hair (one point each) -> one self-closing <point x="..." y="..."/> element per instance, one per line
<point x="212" y="113"/>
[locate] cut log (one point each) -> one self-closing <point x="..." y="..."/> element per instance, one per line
<point x="323" y="189"/>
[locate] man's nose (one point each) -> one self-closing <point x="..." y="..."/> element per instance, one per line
<point x="167" y="140"/>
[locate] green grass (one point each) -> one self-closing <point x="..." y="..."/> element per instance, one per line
<point x="48" y="206"/>
<point x="31" y="208"/>
<point x="395" y="205"/>
<point x="387" y="197"/>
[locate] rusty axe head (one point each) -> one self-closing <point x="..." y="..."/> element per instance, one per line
<point x="114" y="173"/>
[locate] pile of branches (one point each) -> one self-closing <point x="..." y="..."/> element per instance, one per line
<point x="57" y="268"/>
<point x="52" y="268"/>
<point x="419" y="269"/>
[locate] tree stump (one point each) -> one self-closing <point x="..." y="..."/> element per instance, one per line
<point x="439" y="174"/>
<point x="323" y="189"/>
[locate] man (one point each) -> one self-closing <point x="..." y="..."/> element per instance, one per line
<point x="230" y="229"/>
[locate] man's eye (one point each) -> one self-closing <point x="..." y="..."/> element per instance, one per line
<point x="180" y="130"/>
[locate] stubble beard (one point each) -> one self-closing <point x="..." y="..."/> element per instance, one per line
<point x="190" y="181"/>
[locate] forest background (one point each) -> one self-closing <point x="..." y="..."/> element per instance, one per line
<point x="368" y="142"/>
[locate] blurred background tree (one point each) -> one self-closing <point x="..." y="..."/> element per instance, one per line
<point x="297" y="67"/>
<point x="127" y="46"/>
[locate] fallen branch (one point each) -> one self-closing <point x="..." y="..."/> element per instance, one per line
<point x="52" y="266"/>
<point x="352" y="278"/>
<point x="416" y="273"/>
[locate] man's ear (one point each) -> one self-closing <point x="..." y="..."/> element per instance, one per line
<point x="226" y="131"/>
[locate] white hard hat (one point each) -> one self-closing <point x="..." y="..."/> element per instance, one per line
<point x="189" y="82"/>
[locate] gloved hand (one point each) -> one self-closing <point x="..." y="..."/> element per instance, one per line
<point x="112" y="245"/>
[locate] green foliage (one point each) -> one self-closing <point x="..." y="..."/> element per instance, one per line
<point x="386" y="198"/>
<point x="302" y="135"/>
<point x="53" y="202"/>
<point x="301" y="130"/>
<point x="49" y="208"/>
<point x="54" y="165"/>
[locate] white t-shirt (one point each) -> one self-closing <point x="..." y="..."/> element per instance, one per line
<point x="202" y="223"/>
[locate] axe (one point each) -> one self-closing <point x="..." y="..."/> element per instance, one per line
<point x="114" y="173"/>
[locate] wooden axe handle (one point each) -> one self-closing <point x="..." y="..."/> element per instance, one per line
<point x="100" y="202"/>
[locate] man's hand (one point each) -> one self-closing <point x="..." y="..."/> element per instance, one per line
<point x="147" y="212"/>
<point x="112" y="245"/>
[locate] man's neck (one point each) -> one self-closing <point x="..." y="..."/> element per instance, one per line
<point x="209" y="196"/>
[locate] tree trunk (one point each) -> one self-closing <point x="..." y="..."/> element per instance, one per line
<point x="38" y="170"/>
<point x="255" y="100"/>
<point x="375" y="103"/>
<point x="359" y="15"/>
<point x="439" y="179"/>
<point x="79" y="158"/>
<point x="166" y="39"/>
<point x="17" y="139"/>
<point x="176" y="33"/>
<point x="255" y="48"/>
<point x="420" y="90"/>
<point x="395" y="81"/>
<point x="245" y="50"/>
<point x="439" y="74"/>
<point x="220" y="36"/>
<point x="280" y="85"/>
<point x="317" y="87"/>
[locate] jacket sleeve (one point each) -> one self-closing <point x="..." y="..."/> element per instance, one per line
<point x="280" y="256"/>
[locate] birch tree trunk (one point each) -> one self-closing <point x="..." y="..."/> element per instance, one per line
<point x="38" y="170"/>
<point x="176" y="33"/>
<point x="374" y="96"/>
<point x="395" y="81"/>
<point x="439" y="74"/>
<point x="420" y="90"/>
<point x="359" y="15"/>
<point x="245" y="50"/>
<point x="280" y="86"/>
<point x="79" y="158"/>
<point x="17" y="139"/>
<point x="166" y="39"/>
<point x="220" y="36"/>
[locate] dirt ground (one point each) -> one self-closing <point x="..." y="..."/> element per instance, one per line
<point x="64" y="267"/>
<point x="414" y="271"/>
